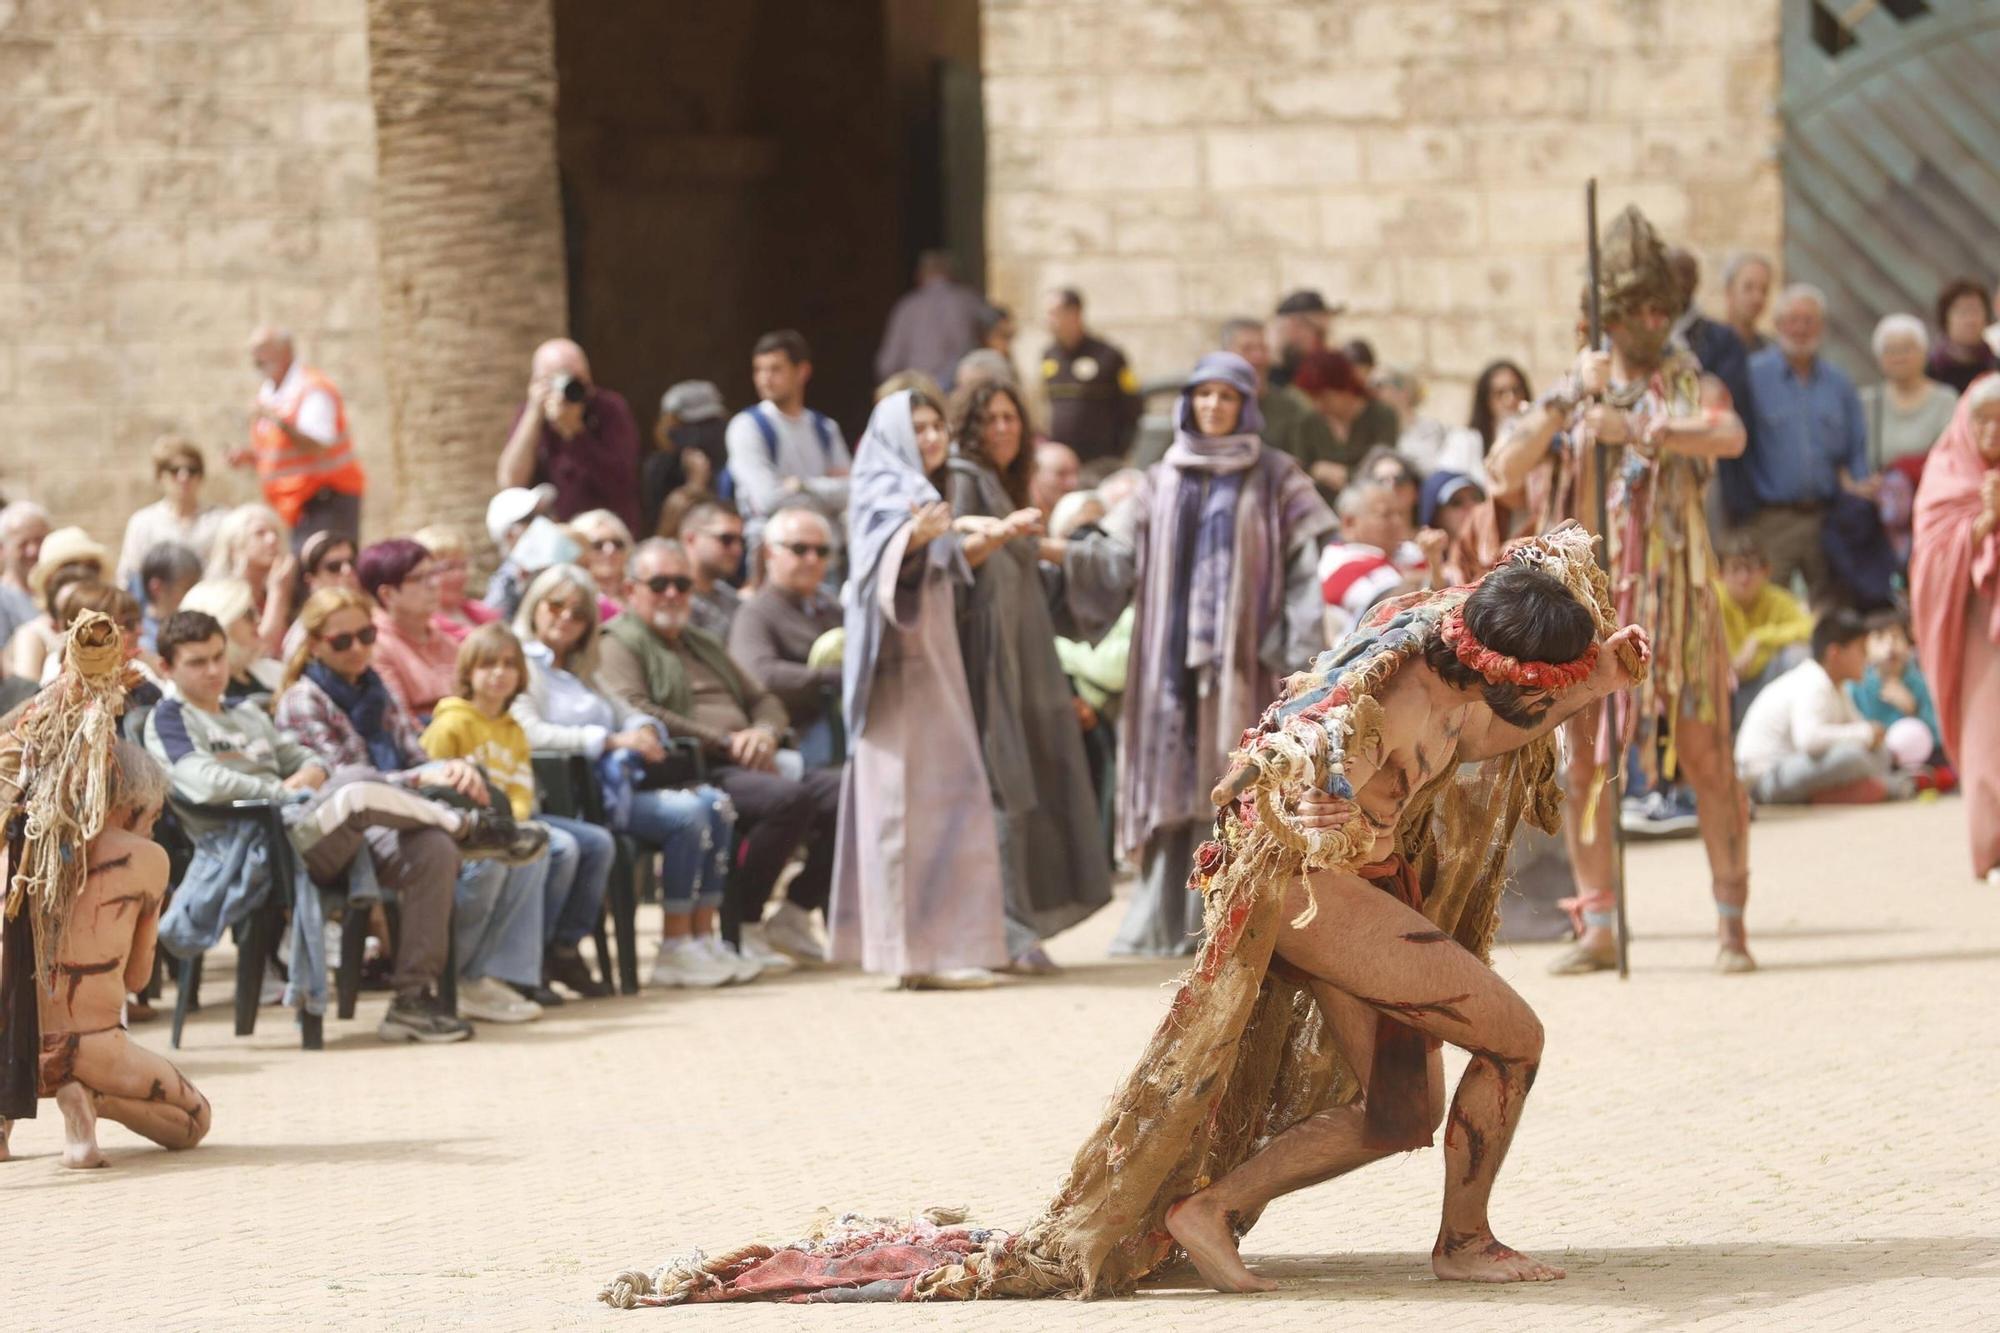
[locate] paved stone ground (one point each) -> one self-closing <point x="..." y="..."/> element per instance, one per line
<point x="1803" y="1148"/>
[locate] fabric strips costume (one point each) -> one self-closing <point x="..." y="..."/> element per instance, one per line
<point x="54" y="793"/>
<point x="1243" y="1053"/>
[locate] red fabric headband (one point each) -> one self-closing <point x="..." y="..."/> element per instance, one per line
<point x="1499" y="669"/>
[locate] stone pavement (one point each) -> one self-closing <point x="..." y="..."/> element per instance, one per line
<point x="1803" y="1148"/>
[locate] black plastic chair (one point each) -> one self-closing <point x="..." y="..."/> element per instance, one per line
<point x="568" y="788"/>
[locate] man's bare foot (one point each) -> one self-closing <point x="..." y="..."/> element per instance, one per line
<point x="1203" y="1231"/>
<point x="79" y="1113"/>
<point x="1474" y="1256"/>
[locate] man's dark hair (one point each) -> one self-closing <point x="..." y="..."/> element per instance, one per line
<point x="1361" y="352"/>
<point x="388" y="564"/>
<point x="1952" y="293"/>
<point x="168" y="563"/>
<point x="1069" y="298"/>
<point x="789" y="341"/>
<point x="969" y="408"/>
<point x="185" y="627"/>
<point x="1482" y="418"/>
<point x="1528" y="615"/>
<point x="1740" y="547"/>
<point x="1836" y="629"/>
<point x="991" y="317"/>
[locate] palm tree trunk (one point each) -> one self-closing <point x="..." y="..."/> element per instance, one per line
<point x="469" y="226"/>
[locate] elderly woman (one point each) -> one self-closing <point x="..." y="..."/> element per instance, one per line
<point x="1955" y="603"/>
<point x="178" y="515"/>
<point x="607" y="546"/>
<point x="23" y="525"/>
<point x="457" y="615"/>
<point x="564" y="711"/>
<point x="1218" y="554"/>
<point x="1961" y="354"/>
<point x="918" y="899"/>
<point x="1052" y="857"/>
<point x="251" y="544"/>
<point x="1908" y="410"/>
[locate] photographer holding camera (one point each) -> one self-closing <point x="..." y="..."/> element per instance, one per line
<point x="575" y="436"/>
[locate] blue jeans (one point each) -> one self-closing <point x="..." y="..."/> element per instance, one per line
<point x="496" y="921"/>
<point x="579" y="868"/>
<point x="694" y="829"/>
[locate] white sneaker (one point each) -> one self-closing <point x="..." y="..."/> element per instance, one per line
<point x="683" y="962"/>
<point x="756" y="946"/>
<point x="789" y="930"/>
<point x="490" y="1001"/>
<point x="741" y="967"/>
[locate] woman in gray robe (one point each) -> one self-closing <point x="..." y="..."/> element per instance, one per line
<point x="917" y="863"/>
<point x="1217" y="554"/>
<point x="1052" y="857"/>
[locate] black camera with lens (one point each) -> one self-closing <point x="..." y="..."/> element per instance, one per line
<point x="572" y="389"/>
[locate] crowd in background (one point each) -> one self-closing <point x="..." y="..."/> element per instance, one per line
<point x="907" y="704"/>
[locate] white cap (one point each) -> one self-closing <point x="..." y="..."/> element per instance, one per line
<point x="516" y="504"/>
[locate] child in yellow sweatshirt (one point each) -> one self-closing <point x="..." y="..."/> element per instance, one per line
<point x="1768" y="631"/>
<point x="475" y="724"/>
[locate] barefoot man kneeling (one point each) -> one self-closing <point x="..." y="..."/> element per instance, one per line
<point x="97" y="929"/>
<point x="1351" y="893"/>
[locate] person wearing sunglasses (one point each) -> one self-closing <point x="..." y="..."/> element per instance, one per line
<point x="776" y="627"/>
<point x="654" y="661"/>
<point x="418" y="662"/>
<point x="713" y="537"/>
<point x="607" y="546"/>
<point x="177" y="516"/>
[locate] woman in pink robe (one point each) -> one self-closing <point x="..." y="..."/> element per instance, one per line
<point x="1955" y="604"/>
<point x="917" y="890"/>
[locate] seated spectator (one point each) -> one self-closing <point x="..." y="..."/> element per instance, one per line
<point x="165" y="574"/>
<point x="981" y="366"/>
<point x="712" y="535"/>
<point x="573" y="436"/>
<point x="564" y="711"/>
<point x="1500" y="394"/>
<point x="656" y="662"/>
<point x="1802" y="742"/>
<point x="477" y="724"/>
<point x="1425" y="441"/>
<point x="775" y="628"/>
<point x="337" y="706"/>
<point x="457" y="615"/>
<point x="781" y="450"/>
<point x="416" y="661"/>
<point x="107" y="600"/>
<point x="251" y="544"/>
<point x="1769" y="632"/>
<point x="217" y="751"/>
<point x="1373" y="559"/>
<point x="1055" y="474"/>
<point x="23" y="525"/>
<point x="1961" y="354"/>
<point x="607" y="547"/>
<point x="63" y="557"/>
<point x="508" y="516"/>
<point x="326" y="560"/>
<point x="689" y="451"/>
<point x="1383" y="464"/>
<point x="1893" y="692"/>
<point x="1454" y="504"/>
<point x="178" y="515"/>
<point x="252" y="673"/>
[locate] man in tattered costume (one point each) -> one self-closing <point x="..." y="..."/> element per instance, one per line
<point x="80" y="909"/>
<point x="1352" y="891"/>
<point x="1667" y="423"/>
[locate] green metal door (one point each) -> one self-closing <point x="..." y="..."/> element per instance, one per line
<point x="1891" y="157"/>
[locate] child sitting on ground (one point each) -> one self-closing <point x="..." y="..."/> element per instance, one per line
<point x="1892" y="691"/>
<point x="1802" y="742"/>
<point x="1766" y="627"/>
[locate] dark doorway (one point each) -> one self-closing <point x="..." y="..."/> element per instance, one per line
<point x="729" y="169"/>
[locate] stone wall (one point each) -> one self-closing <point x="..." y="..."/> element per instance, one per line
<point x="1421" y="160"/>
<point x="175" y="172"/>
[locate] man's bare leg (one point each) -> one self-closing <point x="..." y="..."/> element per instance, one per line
<point x="1724" y="810"/>
<point x="1322" y="1146"/>
<point x="1591" y="861"/>
<point x="1367" y="945"/>
<point x="79" y="1114"/>
<point x="140" y="1090"/>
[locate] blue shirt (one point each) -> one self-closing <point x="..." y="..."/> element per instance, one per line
<point x="1807" y="430"/>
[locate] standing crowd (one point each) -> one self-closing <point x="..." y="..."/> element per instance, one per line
<point x="906" y="705"/>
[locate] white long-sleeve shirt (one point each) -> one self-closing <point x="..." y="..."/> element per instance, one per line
<point x="760" y="480"/>
<point x="1801" y="712"/>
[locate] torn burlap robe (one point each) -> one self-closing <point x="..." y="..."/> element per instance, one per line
<point x="1243" y="1053"/>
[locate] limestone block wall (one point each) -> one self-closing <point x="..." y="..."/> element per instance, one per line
<point x="175" y="172"/>
<point x="1423" y="161"/>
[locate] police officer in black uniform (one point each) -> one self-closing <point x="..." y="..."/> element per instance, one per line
<point x="1093" y="394"/>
